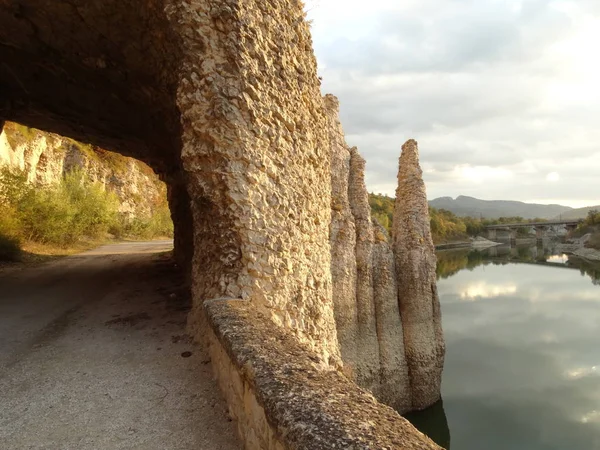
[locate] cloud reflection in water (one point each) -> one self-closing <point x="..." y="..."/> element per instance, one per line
<point x="522" y="367"/>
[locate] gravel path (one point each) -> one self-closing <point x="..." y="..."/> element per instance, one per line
<point x="93" y="355"/>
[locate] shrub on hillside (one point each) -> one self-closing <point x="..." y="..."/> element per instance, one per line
<point x="60" y="214"/>
<point x="158" y="224"/>
<point x="594" y="241"/>
<point x="69" y="211"/>
<point x="65" y="213"/>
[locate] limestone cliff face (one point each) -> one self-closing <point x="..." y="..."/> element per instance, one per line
<point x="380" y="289"/>
<point x="343" y="243"/>
<point x="46" y="157"/>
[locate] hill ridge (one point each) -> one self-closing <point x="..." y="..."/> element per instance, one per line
<point x="465" y="205"/>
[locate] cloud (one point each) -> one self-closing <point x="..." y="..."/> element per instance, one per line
<point x="509" y="85"/>
<point x="522" y="361"/>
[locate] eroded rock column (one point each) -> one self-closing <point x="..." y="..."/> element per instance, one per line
<point x="367" y="343"/>
<point x="394" y="384"/>
<point x="417" y="292"/>
<point x="256" y="154"/>
<point x="365" y="291"/>
<point x="343" y="243"/>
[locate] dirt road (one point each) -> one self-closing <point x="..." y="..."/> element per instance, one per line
<point x="91" y="357"/>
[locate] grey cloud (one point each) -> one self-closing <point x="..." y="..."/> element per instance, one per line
<point x="426" y="101"/>
<point x="449" y="37"/>
<point x="467" y="79"/>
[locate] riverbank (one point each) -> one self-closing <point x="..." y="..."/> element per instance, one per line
<point x="590" y="254"/>
<point x="477" y="243"/>
<point x="577" y="247"/>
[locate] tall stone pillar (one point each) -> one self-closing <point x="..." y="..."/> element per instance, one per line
<point x="343" y="243"/>
<point x="417" y="292"/>
<point x="492" y="234"/>
<point x="368" y="344"/>
<point x="257" y="162"/>
<point x="363" y="271"/>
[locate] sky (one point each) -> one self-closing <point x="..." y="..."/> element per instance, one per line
<point x="503" y="96"/>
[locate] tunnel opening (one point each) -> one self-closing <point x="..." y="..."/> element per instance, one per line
<point x="95" y="350"/>
<point x="104" y="75"/>
<point x="60" y="195"/>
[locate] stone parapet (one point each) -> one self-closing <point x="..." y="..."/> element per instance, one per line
<point x="284" y="397"/>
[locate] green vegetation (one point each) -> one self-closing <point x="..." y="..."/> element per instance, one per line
<point x="445" y="225"/>
<point x="18" y="134"/>
<point x="382" y="209"/>
<point x="159" y="224"/>
<point x="591" y="225"/>
<point x="62" y="215"/>
<point x="592" y="219"/>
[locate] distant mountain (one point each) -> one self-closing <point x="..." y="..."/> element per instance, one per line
<point x="579" y="213"/>
<point x="493" y="209"/>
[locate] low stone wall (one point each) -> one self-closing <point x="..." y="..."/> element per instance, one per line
<point x="284" y="398"/>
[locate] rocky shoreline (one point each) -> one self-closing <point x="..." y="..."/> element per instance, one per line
<point x="476" y="243"/>
<point x="590" y="254"/>
<point x="577" y="247"/>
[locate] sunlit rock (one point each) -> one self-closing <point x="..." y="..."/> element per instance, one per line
<point x="417" y="292"/>
<point x="369" y="287"/>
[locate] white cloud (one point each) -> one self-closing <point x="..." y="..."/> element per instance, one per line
<point x="499" y="93"/>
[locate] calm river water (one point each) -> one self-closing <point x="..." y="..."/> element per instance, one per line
<point x="522" y="370"/>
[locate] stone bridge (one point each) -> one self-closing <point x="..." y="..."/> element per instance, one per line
<point x="540" y="228"/>
<point x="222" y="100"/>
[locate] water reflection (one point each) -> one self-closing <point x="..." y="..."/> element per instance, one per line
<point x="450" y="262"/>
<point x="433" y="423"/>
<point x="523" y="362"/>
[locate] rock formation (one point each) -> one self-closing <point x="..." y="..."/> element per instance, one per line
<point x="222" y="100"/>
<point x="46" y="157"/>
<point x="417" y="291"/>
<point x="378" y="288"/>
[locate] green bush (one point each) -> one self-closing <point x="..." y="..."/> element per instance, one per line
<point x="158" y="224"/>
<point x="60" y="214"/>
<point x="63" y="214"/>
<point x="75" y="208"/>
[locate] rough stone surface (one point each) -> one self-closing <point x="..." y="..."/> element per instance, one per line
<point x="394" y="388"/>
<point x="369" y="376"/>
<point x="222" y="99"/>
<point x="277" y="387"/>
<point x="370" y="286"/>
<point x="255" y="151"/>
<point x="97" y="71"/>
<point x="343" y="243"/>
<point x="417" y="292"/>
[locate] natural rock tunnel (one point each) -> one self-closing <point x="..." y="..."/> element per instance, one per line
<point x="222" y="99"/>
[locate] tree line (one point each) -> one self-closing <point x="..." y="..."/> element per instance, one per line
<point x="445" y="225"/>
